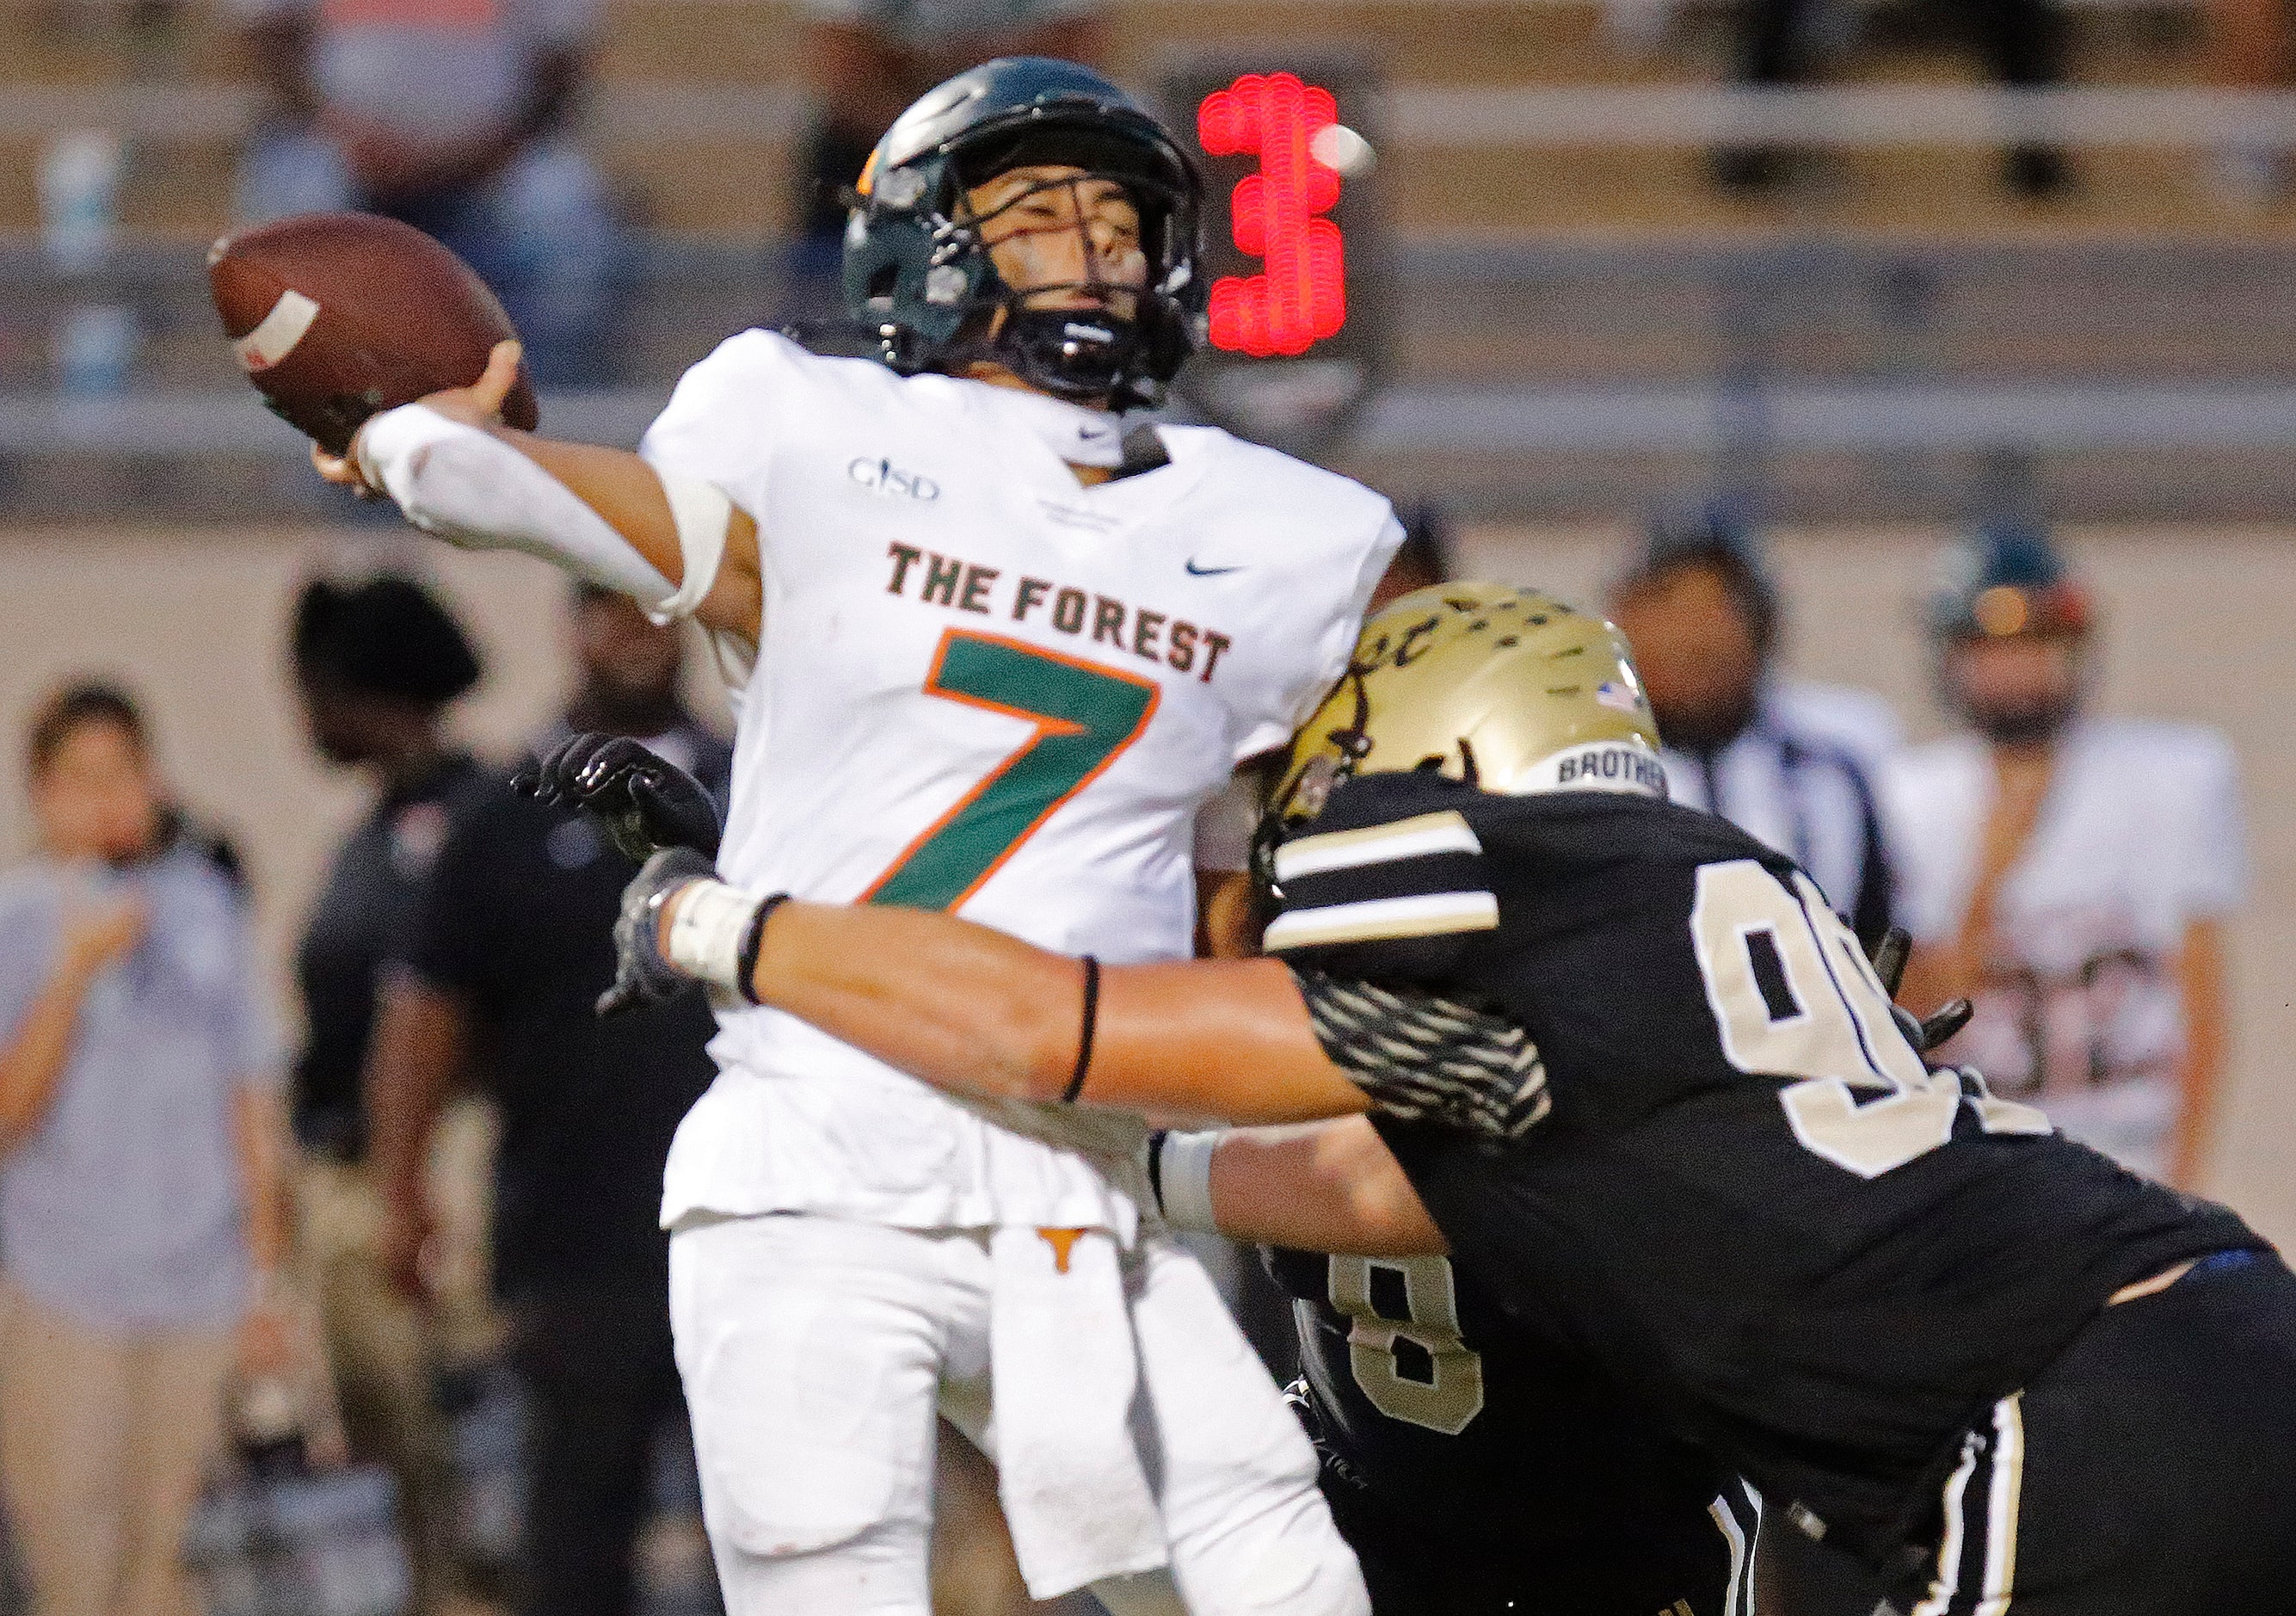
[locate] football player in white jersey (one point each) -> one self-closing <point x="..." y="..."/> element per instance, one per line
<point x="2070" y="872"/>
<point x="994" y="656"/>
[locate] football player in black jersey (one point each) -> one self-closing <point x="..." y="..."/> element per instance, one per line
<point x="1480" y="1465"/>
<point x="1625" y="1066"/>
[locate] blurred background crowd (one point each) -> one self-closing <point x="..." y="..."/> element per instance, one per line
<point x="1907" y="378"/>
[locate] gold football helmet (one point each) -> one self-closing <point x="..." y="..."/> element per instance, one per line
<point x="1504" y="688"/>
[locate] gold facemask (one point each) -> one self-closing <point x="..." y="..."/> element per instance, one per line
<point x="1502" y="688"/>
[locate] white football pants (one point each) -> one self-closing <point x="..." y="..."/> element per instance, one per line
<point x="815" y="1354"/>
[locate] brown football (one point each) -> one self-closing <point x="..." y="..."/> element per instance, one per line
<point x="337" y="317"/>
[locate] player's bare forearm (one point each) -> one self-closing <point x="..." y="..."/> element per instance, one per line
<point x="1322" y="1186"/>
<point x="618" y="485"/>
<point x="970" y="1009"/>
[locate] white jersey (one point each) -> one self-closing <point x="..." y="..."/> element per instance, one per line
<point x="2140" y="835"/>
<point x="983" y="687"/>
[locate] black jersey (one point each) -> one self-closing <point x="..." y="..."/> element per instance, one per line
<point x="1748" y="1198"/>
<point x="1485" y="1429"/>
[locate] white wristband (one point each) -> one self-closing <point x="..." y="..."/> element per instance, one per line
<point x="706" y="931"/>
<point x="1183" y="1179"/>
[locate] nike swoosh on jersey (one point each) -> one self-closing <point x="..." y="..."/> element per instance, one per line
<point x="1196" y="571"/>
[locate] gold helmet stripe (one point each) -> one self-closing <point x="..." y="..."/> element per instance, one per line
<point x="1416" y="837"/>
<point x="1379" y="919"/>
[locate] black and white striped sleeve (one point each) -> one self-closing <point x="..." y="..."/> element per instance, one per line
<point x="1399" y="899"/>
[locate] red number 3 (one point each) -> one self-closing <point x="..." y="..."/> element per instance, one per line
<point x="1302" y="299"/>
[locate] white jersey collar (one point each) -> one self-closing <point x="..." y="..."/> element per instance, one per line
<point x="1073" y="433"/>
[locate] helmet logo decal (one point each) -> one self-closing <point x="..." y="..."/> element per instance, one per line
<point x="1413" y="645"/>
<point x="901" y="188"/>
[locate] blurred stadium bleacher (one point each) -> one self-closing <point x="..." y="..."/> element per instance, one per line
<point x="1582" y="319"/>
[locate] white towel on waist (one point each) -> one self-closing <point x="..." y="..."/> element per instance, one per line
<point x="1064" y="1374"/>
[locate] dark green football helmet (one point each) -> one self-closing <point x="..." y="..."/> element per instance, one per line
<point x="918" y="274"/>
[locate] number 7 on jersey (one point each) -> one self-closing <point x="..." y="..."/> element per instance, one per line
<point x="1084" y="716"/>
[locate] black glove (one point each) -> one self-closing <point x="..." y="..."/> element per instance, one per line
<point x="1925" y="1036"/>
<point x="643" y="975"/>
<point x="646" y="801"/>
<point x="1890" y="955"/>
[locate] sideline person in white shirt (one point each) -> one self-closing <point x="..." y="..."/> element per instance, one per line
<point x="1786" y="760"/>
<point x="2068" y="871"/>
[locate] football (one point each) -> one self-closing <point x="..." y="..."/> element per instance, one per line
<point x="337" y="317"/>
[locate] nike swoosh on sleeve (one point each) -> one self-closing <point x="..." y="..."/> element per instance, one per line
<point x="1196" y="571"/>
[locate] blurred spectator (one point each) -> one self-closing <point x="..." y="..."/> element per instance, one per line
<point x="2070" y="872"/>
<point x="1789" y="762"/>
<point x="141" y="1161"/>
<point x="2249" y="49"/>
<point x="2023" y="46"/>
<point x="867" y="59"/>
<point x="512" y="946"/>
<point x="450" y="115"/>
<point x="179" y="827"/>
<point x="376" y="664"/>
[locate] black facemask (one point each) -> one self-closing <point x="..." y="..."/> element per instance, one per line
<point x="1081" y="354"/>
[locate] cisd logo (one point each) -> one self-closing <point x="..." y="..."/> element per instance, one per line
<point x="883" y="477"/>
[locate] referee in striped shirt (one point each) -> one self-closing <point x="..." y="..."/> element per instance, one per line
<point x="1787" y="761"/>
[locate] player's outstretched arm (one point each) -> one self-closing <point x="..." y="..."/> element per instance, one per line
<point x="675" y="544"/>
<point x="971" y="1009"/>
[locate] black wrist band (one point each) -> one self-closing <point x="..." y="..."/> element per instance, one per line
<point x="745" y="959"/>
<point x="1084" y="1032"/>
